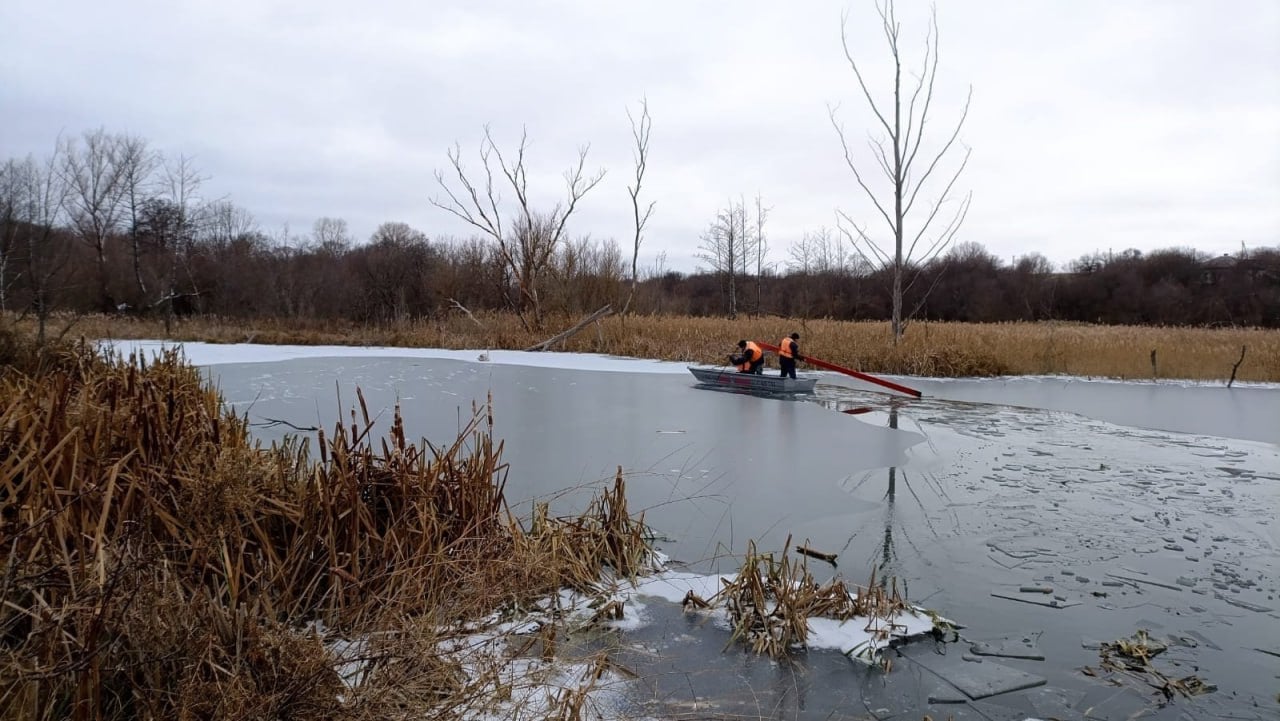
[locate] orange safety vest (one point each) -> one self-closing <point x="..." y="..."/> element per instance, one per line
<point x="751" y="355"/>
<point x="784" y="348"/>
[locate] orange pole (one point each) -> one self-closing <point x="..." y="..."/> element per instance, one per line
<point x="849" y="371"/>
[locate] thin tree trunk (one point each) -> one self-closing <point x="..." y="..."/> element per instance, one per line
<point x="137" y="265"/>
<point x="104" y="279"/>
<point x="601" y="313"/>
<point x="733" y="296"/>
<point x="898" y="181"/>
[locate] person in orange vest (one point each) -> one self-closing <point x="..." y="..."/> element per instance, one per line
<point x="751" y="360"/>
<point x="788" y="354"/>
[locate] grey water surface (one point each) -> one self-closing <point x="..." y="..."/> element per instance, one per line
<point x="1140" y="509"/>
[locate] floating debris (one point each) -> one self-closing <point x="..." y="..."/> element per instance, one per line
<point x="1023" y="647"/>
<point x="804" y="550"/>
<point x="1146" y="581"/>
<point x="1133" y="656"/>
<point x="1051" y="603"/>
<point x="1243" y="604"/>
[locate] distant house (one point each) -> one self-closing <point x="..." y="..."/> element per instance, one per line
<point x="1215" y="270"/>
<point x="1229" y="268"/>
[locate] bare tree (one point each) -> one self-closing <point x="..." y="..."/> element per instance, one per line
<point x="395" y="272"/>
<point x="226" y="222"/>
<point x="332" y="236"/>
<point x="286" y="248"/>
<point x="528" y="243"/>
<point x="138" y="164"/>
<point x="587" y="273"/>
<point x="725" y="248"/>
<point x="897" y="154"/>
<point x="170" y="224"/>
<point x="398" y="233"/>
<point x="12" y="198"/>
<point x="828" y="252"/>
<point x="760" y="250"/>
<point x="640" y="134"/>
<point x="800" y="255"/>
<point x="94" y="177"/>
<point x="44" y="198"/>
<point x="658" y="267"/>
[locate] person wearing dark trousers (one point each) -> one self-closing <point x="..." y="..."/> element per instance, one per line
<point x="788" y="354"/>
<point x="751" y="359"/>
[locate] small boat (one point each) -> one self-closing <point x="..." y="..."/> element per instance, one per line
<point x="731" y="378"/>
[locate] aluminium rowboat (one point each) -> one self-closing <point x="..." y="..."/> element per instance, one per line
<point x="730" y="378"/>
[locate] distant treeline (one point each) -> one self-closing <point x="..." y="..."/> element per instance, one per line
<point x="105" y="224"/>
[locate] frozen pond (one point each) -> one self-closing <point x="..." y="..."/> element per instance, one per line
<point x="1135" y="505"/>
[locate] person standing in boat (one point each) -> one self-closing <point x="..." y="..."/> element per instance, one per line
<point x="788" y="354"/>
<point x="751" y="359"/>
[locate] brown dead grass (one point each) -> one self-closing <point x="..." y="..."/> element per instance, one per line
<point x="155" y="562"/>
<point x="771" y="598"/>
<point x="929" y="349"/>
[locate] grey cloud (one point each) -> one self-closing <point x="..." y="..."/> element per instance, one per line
<point x="1140" y="123"/>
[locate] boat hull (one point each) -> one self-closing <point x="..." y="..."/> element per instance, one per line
<point x="729" y="378"/>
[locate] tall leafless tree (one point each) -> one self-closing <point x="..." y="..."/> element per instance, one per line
<point x="331" y="236"/>
<point x="138" y="164"/>
<point x="725" y="248"/>
<point x="12" y="198"/>
<point x="47" y="255"/>
<point x="226" y="222"/>
<point x="640" y="134"/>
<point x="760" y="250"/>
<point x="801" y="259"/>
<point x="529" y="241"/>
<point x="897" y="153"/>
<point x="800" y="255"/>
<point x="94" y="177"/>
<point x="397" y="233"/>
<point x="177" y="223"/>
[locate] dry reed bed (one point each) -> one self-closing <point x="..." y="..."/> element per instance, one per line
<point x="157" y="563"/>
<point x="929" y="349"/>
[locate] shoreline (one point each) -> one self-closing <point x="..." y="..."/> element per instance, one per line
<point x="929" y="350"/>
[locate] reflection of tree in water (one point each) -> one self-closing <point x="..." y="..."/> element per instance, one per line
<point x="885" y="555"/>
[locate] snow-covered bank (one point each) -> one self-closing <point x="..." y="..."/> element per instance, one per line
<point x="212" y="354"/>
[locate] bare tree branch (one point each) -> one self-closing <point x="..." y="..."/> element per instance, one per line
<point x="926" y="77"/>
<point x="640" y="136"/>
<point x="859" y="240"/>
<point x="455" y="304"/>
<point x="946" y="192"/>
<point x="527" y="248"/>
<point x="937" y="158"/>
<point x="844" y="42"/>
<point x="848" y="159"/>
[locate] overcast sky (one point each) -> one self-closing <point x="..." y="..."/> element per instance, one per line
<point x="1096" y="125"/>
